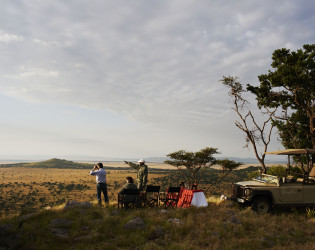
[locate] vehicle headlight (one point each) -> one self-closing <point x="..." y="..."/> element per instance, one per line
<point x="248" y="191"/>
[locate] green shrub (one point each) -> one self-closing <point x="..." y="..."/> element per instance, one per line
<point x="277" y="170"/>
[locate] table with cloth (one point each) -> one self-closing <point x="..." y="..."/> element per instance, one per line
<point x="188" y="197"/>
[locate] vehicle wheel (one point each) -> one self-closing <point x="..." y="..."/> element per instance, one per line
<point x="261" y="205"/>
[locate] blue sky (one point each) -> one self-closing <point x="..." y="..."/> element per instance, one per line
<point x="134" y="79"/>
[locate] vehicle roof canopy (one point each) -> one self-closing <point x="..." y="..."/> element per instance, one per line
<point x="293" y="152"/>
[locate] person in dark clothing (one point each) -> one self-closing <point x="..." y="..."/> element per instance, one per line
<point x="142" y="175"/>
<point x="129" y="185"/>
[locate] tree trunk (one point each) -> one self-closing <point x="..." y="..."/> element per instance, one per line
<point x="312" y="127"/>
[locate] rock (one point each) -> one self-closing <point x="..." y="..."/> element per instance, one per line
<point x="230" y="212"/>
<point x="13" y="241"/>
<point x="164" y="211"/>
<point x="84" y="237"/>
<point x="136" y="223"/>
<point x="158" y="232"/>
<point x="62" y="233"/>
<point x="6" y="229"/>
<point x="98" y="221"/>
<point x="114" y="213"/>
<point x="85" y="228"/>
<point x="267" y="241"/>
<point x="73" y="203"/>
<point x="61" y="223"/>
<point x="235" y="220"/>
<point x="25" y="217"/>
<point x="175" y="221"/>
<point x="9" y="239"/>
<point x="215" y="235"/>
<point x="85" y="204"/>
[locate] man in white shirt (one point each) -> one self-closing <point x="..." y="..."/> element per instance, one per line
<point x="101" y="186"/>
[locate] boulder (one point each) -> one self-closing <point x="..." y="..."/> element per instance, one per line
<point x="61" y="223"/>
<point x="114" y="213"/>
<point x="158" y="232"/>
<point x="164" y="211"/>
<point x="84" y="237"/>
<point x="9" y="239"/>
<point x="235" y="220"/>
<point x="98" y="221"/>
<point x="175" y="221"/>
<point x="230" y="212"/>
<point x="73" y="203"/>
<point x="5" y="229"/>
<point x="136" y="223"/>
<point x="25" y="217"/>
<point x="267" y="241"/>
<point x="62" y="233"/>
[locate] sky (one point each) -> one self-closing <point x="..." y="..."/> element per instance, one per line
<point x="135" y="79"/>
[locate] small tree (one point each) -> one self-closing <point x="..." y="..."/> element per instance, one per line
<point x="194" y="162"/>
<point x="254" y="132"/>
<point x="227" y="167"/>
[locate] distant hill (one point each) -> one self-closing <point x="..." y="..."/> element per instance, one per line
<point x="58" y="163"/>
<point x="52" y="163"/>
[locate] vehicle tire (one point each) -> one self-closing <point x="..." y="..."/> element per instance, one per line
<point x="261" y="205"/>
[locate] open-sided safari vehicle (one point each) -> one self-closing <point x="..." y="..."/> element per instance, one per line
<point x="265" y="191"/>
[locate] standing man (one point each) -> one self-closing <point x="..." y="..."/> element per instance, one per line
<point x="142" y="175"/>
<point x="101" y="185"/>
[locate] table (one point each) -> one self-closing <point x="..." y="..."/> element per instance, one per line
<point x="188" y="197"/>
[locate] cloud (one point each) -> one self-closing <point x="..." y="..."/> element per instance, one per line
<point x="33" y="72"/>
<point x="8" y="38"/>
<point x="157" y="62"/>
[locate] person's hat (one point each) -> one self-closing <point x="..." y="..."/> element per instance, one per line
<point x="141" y="160"/>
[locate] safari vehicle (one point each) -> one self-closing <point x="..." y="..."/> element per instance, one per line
<point x="265" y="191"/>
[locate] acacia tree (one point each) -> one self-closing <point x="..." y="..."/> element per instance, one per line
<point x="196" y="163"/>
<point x="291" y="88"/>
<point x="227" y="167"/>
<point x="193" y="162"/>
<point x="255" y="133"/>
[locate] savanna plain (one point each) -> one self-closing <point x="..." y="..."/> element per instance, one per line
<point x="26" y="223"/>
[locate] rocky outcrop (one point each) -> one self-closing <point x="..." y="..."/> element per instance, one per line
<point x="175" y="221"/>
<point x="9" y="237"/>
<point x="136" y="223"/>
<point x="61" y="228"/>
<point x="73" y="203"/>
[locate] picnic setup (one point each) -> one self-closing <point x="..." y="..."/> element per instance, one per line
<point x="173" y="197"/>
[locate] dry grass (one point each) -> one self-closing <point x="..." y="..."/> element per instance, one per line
<point x="19" y="181"/>
<point x="221" y="225"/>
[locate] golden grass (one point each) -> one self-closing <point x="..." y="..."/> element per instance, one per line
<point x="23" y="181"/>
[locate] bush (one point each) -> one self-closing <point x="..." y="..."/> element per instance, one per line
<point x="277" y="170"/>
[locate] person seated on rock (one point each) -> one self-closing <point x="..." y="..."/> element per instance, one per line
<point x="129" y="185"/>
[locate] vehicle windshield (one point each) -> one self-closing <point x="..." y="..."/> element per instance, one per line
<point x="266" y="178"/>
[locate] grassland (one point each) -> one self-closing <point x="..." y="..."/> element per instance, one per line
<point x="221" y="225"/>
<point x="28" y="186"/>
<point x="24" y="188"/>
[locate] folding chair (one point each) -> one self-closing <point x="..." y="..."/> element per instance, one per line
<point x="128" y="199"/>
<point x="151" y="196"/>
<point x="170" y="197"/>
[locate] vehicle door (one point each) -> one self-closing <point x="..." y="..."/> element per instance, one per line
<point x="309" y="193"/>
<point x="291" y="193"/>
